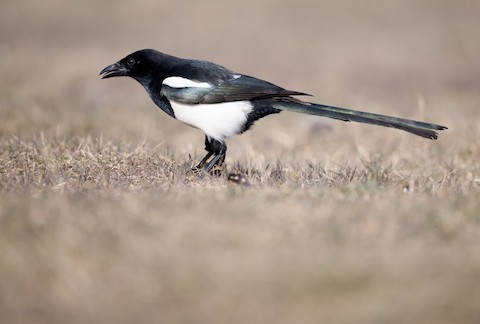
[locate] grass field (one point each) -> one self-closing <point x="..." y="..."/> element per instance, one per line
<point x="338" y="222"/>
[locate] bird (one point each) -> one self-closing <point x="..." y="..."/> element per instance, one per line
<point x="223" y="103"/>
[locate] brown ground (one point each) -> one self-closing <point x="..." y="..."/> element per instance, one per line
<point x="341" y="223"/>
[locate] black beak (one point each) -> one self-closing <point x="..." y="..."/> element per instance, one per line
<point x="113" y="70"/>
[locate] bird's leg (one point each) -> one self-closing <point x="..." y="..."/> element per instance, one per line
<point x="219" y="150"/>
<point x="216" y="149"/>
<point x="210" y="151"/>
<point x="216" y="161"/>
<point x="202" y="163"/>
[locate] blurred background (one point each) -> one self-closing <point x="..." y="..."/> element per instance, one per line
<point x="115" y="246"/>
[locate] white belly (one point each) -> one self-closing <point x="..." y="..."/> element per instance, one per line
<point x="219" y="121"/>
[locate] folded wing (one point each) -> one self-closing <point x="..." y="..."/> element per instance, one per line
<point x="237" y="88"/>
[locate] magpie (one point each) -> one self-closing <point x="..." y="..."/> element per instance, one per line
<point x="223" y="103"/>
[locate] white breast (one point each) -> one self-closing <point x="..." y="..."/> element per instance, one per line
<point x="219" y="121"/>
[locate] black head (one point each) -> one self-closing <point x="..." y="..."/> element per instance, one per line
<point x="138" y="65"/>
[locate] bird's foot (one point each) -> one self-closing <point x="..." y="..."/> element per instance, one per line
<point x="195" y="171"/>
<point x="199" y="173"/>
<point x="217" y="170"/>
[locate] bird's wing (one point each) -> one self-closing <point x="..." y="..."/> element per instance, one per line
<point x="236" y="88"/>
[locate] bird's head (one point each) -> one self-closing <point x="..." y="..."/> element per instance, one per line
<point x="138" y="65"/>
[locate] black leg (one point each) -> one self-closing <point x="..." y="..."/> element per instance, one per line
<point x="216" y="149"/>
<point x="217" y="160"/>
<point x="209" y="154"/>
<point x="202" y="163"/>
<point x="220" y="151"/>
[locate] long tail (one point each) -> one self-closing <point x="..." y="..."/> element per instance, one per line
<point x="422" y="129"/>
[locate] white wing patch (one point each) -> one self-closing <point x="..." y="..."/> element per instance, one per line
<point x="219" y="121"/>
<point x="179" y="82"/>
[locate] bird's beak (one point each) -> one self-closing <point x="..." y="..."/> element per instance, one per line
<point x="113" y="70"/>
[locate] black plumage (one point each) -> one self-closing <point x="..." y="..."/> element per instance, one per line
<point x="223" y="103"/>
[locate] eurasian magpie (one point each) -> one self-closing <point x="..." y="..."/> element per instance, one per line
<point x="223" y="103"/>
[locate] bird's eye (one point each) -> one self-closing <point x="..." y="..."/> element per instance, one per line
<point x="131" y="62"/>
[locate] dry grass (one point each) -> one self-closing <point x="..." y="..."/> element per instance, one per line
<point x="340" y="223"/>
